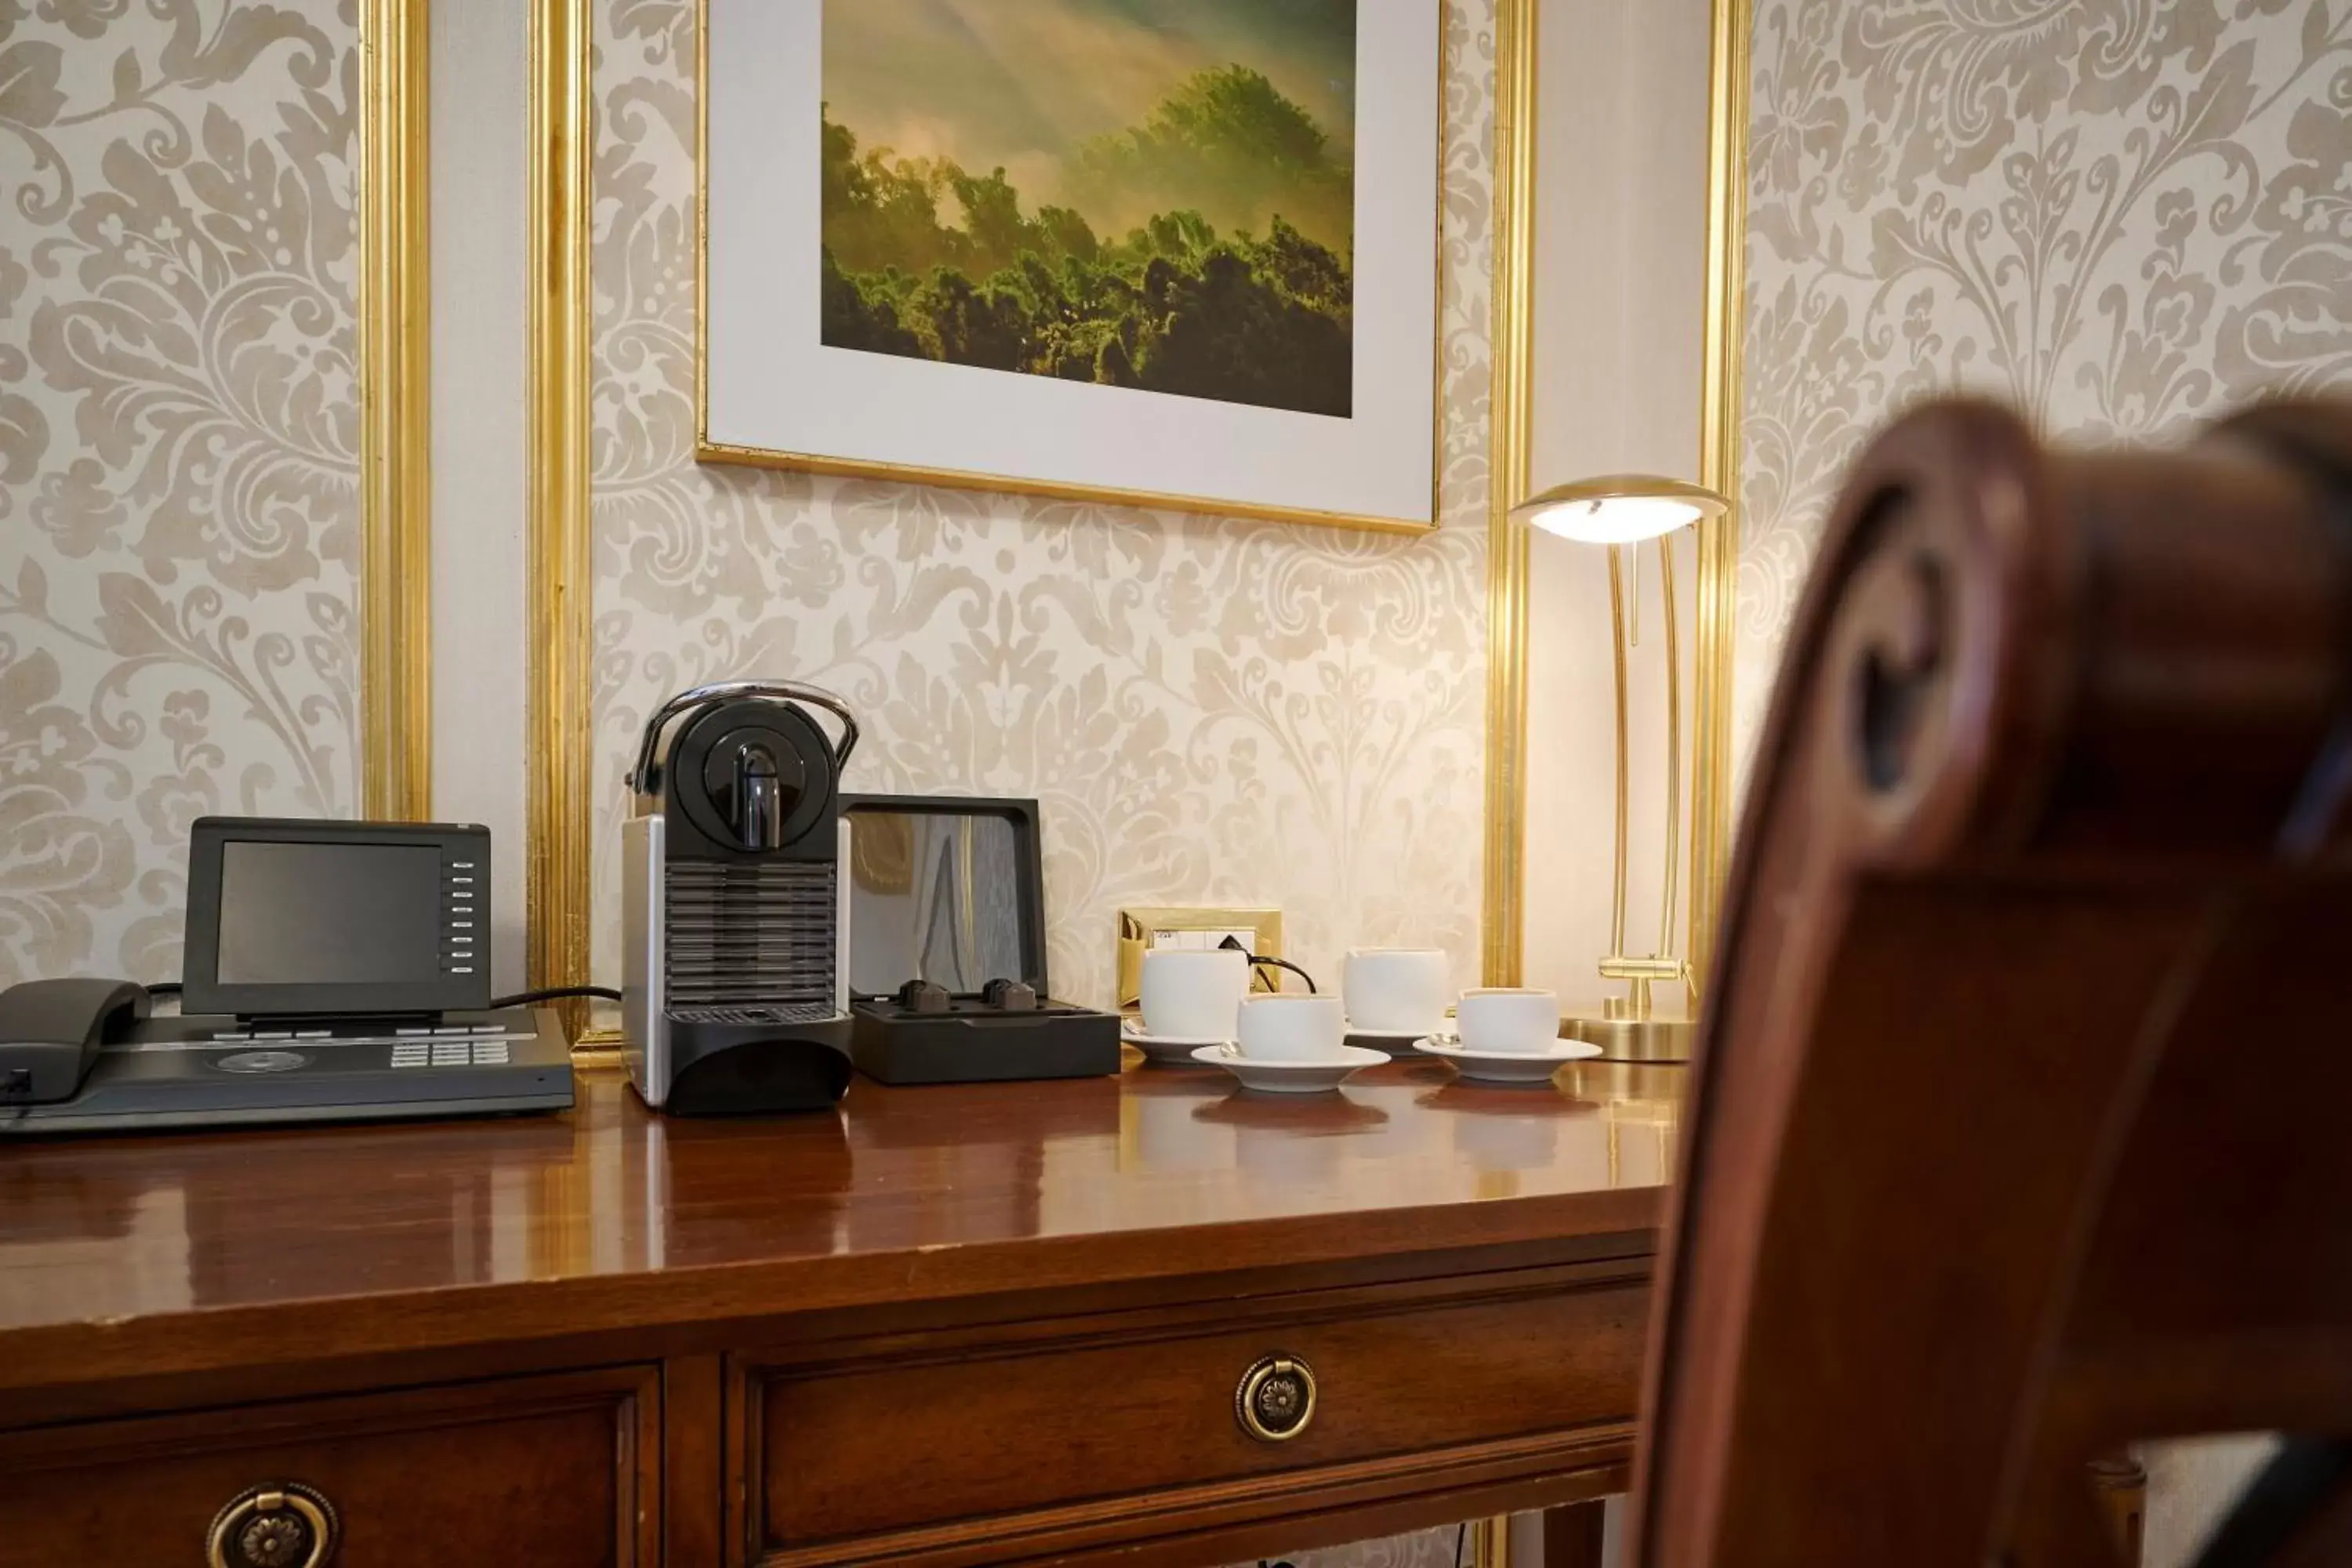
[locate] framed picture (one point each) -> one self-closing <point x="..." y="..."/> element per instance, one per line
<point x="1178" y="253"/>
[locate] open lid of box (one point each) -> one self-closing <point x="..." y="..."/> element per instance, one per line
<point x="950" y="889"/>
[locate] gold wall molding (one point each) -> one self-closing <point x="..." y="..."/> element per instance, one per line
<point x="1734" y="33"/>
<point x="560" y="762"/>
<point x="1723" y="316"/>
<point x="560" y="813"/>
<point x="1508" y="439"/>
<point x="395" y="413"/>
<point x="557" y="811"/>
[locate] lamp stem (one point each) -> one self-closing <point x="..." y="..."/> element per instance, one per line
<point x="1673" y="743"/>
<point x="1617" y="637"/>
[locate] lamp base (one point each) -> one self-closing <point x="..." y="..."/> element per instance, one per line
<point x="1635" y="1039"/>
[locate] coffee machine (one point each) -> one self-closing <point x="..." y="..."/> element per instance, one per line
<point x="735" y="905"/>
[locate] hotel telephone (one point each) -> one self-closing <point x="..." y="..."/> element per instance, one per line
<point x="338" y="971"/>
<point x="334" y="971"/>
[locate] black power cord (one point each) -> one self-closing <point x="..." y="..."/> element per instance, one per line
<point x="1286" y="964"/>
<point x="556" y="992"/>
<point x="1233" y="944"/>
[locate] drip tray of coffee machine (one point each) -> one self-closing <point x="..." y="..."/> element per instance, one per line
<point x="947" y="921"/>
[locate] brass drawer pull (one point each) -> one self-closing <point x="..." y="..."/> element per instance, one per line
<point x="1275" y="1399"/>
<point x="285" y="1525"/>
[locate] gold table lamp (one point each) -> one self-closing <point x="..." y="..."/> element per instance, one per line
<point x="1622" y="511"/>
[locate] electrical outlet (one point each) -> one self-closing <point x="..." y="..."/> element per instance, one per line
<point x="1258" y="931"/>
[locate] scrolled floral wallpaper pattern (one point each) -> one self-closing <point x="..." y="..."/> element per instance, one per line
<point x="178" y="453"/>
<point x="2125" y="215"/>
<point x="1208" y="709"/>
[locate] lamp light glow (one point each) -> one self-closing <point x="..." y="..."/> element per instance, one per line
<point x="1620" y="509"/>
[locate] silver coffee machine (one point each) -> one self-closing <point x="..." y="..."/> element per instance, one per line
<point x="735" y="902"/>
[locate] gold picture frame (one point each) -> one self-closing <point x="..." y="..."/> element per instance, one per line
<point x="1731" y="27"/>
<point x="396" y="414"/>
<point x="706" y="450"/>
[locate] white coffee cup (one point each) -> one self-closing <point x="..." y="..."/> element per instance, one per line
<point x="1193" y="993"/>
<point x="1396" y="990"/>
<point x="1292" y="1027"/>
<point x="1508" y="1019"/>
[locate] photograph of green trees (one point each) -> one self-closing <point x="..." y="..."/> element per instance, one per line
<point x="1145" y="194"/>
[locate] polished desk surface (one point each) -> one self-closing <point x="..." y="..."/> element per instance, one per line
<point x="124" y="1258"/>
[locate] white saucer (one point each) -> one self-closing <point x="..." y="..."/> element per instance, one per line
<point x="1167" y="1050"/>
<point x="1290" y="1078"/>
<point x="1507" y="1067"/>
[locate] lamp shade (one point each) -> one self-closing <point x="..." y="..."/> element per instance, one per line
<point x="1620" y="509"/>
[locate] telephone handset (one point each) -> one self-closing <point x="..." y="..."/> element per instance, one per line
<point x="50" y="1032"/>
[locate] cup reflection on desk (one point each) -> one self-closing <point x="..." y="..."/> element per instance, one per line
<point x="1292" y="1028"/>
<point x="1507" y="1142"/>
<point x="1193" y="994"/>
<point x="1168" y="1136"/>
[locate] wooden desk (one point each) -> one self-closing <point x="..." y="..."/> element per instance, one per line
<point x="949" y="1326"/>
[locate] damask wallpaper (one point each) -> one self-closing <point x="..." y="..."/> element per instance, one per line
<point x="179" y="511"/>
<point x="2125" y="215"/>
<point x="1208" y="709"/>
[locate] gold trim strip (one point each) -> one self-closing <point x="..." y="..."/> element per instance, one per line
<point x="558" y="805"/>
<point x="706" y="450"/>
<point x="396" y="414"/>
<point x="1511" y="409"/>
<point x="1490" y="1542"/>
<point x="1718" y="470"/>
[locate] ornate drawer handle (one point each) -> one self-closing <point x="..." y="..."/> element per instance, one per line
<point x="285" y="1525"/>
<point x="1275" y="1399"/>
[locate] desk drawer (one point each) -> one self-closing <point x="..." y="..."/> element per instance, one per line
<point x="905" y="1438"/>
<point x="553" y="1470"/>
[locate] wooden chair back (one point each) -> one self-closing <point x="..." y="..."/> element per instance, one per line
<point x="2021" y="1119"/>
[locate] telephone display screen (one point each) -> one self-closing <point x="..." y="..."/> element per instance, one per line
<point x="330" y="914"/>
